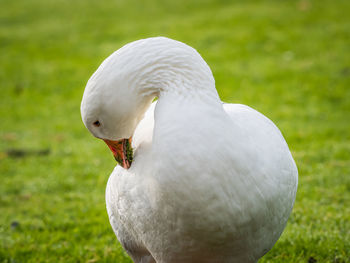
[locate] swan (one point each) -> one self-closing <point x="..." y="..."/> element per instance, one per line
<point x="199" y="180"/>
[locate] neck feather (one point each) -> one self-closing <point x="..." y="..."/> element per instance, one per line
<point x="158" y="66"/>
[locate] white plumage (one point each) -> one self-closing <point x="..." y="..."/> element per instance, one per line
<point x="210" y="182"/>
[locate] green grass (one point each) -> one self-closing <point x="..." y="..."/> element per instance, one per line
<point x="288" y="59"/>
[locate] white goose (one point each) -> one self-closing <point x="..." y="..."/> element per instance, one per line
<point x="209" y="182"/>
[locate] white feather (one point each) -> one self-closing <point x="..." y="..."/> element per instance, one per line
<point x="210" y="182"/>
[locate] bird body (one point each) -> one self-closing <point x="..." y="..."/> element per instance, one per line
<point x="209" y="182"/>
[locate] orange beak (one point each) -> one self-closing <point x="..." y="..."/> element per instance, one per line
<point x="122" y="151"/>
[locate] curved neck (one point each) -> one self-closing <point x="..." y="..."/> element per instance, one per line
<point x="172" y="76"/>
<point x="159" y="65"/>
<point x="123" y="87"/>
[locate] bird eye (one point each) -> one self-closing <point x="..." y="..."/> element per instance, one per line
<point x="97" y="123"/>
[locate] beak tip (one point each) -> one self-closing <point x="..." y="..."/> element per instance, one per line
<point x="124" y="163"/>
<point x="122" y="151"/>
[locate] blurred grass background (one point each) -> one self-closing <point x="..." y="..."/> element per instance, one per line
<point x="288" y="59"/>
